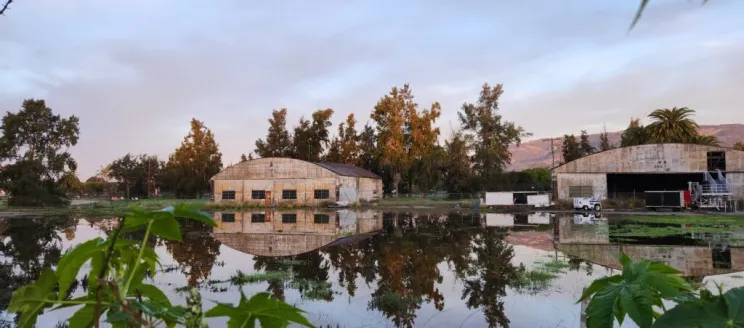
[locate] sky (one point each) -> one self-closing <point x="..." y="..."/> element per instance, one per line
<point x="135" y="72"/>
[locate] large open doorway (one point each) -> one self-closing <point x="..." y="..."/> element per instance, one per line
<point x="630" y="185"/>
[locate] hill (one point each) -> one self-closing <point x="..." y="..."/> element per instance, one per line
<point x="536" y="153"/>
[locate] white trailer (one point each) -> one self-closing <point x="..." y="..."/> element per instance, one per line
<point x="538" y="200"/>
<point x="499" y="220"/>
<point x="587" y="203"/>
<point x="500" y="198"/>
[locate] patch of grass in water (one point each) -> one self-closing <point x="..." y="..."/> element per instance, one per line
<point x="540" y="277"/>
<point x="393" y="300"/>
<point x="240" y="278"/>
<point x="313" y="289"/>
<point x="641" y="230"/>
<point x="689" y="219"/>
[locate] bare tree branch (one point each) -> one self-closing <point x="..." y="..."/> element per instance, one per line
<point x="5" y="6"/>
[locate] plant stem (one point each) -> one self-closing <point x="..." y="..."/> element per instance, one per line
<point x="139" y="258"/>
<point x="67" y="302"/>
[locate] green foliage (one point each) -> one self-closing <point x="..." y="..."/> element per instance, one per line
<point x="604" y="141"/>
<point x="191" y="166"/>
<point x="278" y="143"/>
<point x="570" y="149"/>
<point x="35" y="143"/>
<point x="116" y="283"/>
<point x="739" y="146"/>
<point x="640" y="291"/>
<point x="136" y="173"/>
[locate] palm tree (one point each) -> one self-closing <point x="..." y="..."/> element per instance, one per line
<point x="739" y="145"/>
<point x="673" y="125"/>
<point x="706" y="140"/>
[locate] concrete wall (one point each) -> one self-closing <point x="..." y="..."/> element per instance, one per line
<point x="736" y="184"/>
<point x="277" y="174"/>
<point x="656" y="158"/>
<point x="693" y="261"/>
<point x="598" y="181"/>
<point x="305" y="223"/>
<point x="570" y="233"/>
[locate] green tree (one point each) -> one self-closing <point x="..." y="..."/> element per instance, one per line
<point x="604" y="141"/>
<point x="426" y="173"/>
<point x="673" y="125"/>
<point x="35" y="142"/>
<point x="404" y="133"/>
<point x="195" y="161"/>
<point x="243" y="158"/>
<point x="739" y="146"/>
<point x="490" y="133"/>
<point x="369" y="157"/>
<point x="705" y="140"/>
<point x="636" y="134"/>
<point x="571" y="149"/>
<point x="540" y="176"/>
<point x="278" y="142"/>
<point x="70" y="183"/>
<point x="135" y="174"/>
<point x="456" y="168"/>
<point x="311" y="137"/>
<point x="585" y="146"/>
<point x="348" y="141"/>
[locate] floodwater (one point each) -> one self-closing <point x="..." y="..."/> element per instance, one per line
<point x="398" y="269"/>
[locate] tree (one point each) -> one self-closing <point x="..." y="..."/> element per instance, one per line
<point x="370" y="153"/>
<point x="138" y="176"/>
<point x="636" y="134"/>
<point x="36" y="143"/>
<point x="70" y="183"/>
<point x="243" y="158"/>
<point x="490" y="133"/>
<point x="571" y="149"/>
<point x="404" y="133"/>
<point x="672" y="125"/>
<point x="311" y="138"/>
<point x="584" y="145"/>
<point x="348" y="142"/>
<point x="705" y="140"/>
<point x="456" y="168"/>
<point x="604" y="141"/>
<point x="739" y="146"/>
<point x="278" y="142"/>
<point x="195" y="161"/>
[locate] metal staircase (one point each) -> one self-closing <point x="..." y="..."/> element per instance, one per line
<point x="713" y="192"/>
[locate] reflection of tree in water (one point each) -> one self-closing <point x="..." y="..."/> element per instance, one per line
<point x="197" y="253"/>
<point x="28" y="245"/>
<point x="493" y="273"/>
<point x="309" y="274"/>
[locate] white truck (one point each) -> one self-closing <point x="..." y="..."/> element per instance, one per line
<point x="587" y="203"/>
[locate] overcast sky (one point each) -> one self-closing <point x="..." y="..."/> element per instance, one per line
<point x="137" y="71"/>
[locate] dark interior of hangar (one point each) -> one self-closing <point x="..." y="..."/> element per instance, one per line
<point x="625" y="185"/>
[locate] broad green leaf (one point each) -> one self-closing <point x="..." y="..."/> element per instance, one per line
<point x="222" y="310"/>
<point x="662" y="268"/>
<point x="153" y="293"/>
<point x="69" y="265"/>
<point x="84" y="317"/>
<point x="684" y="315"/>
<point x="735" y="301"/>
<point x="30" y="300"/>
<point x="167" y="228"/>
<point x="597" y="285"/>
<point x="637" y="302"/>
<point x="193" y="213"/>
<point x="667" y="285"/>
<point x="262" y="305"/>
<point x="96" y="264"/>
<point x="600" y="313"/>
<point x="624" y="259"/>
<point x="79" y="299"/>
<point x="619" y="312"/>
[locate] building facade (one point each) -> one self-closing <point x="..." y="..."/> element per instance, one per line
<point x="628" y="171"/>
<point x="285" y="181"/>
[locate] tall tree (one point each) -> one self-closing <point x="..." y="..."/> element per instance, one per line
<point x="404" y="133"/>
<point x="278" y="142"/>
<point x="604" y="141"/>
<point x="456" y="169"/>
<point x="492" y="135"/>
<point x="370" y="153"/>
<point x="196" y="160"/>
<point x="739" y="146"/>
<point x="348" y="141"/>
<point x="138" y="176"/>
<point x="673" y="125"/>
<point x="636" y="134"/>
<point x="70" y="183"/>
<point x="311" y="137"/>
<point x="243" y="158"/>
<point x="584" y="145"/>
<point x="705" y="140"/>
<point x="35" y="143"/>
<point x="571" y="149"/>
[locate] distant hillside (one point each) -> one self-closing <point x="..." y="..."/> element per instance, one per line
<point x="536" y="153"/>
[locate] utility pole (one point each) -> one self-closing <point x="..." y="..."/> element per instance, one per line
<point x="149" y="177"/>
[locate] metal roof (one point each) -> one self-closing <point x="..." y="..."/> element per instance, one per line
<point x="348" y="170"/>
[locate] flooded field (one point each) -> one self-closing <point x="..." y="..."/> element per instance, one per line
<point x="398" y="269"/>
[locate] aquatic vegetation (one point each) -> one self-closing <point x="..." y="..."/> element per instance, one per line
<point x="540" y="278"/>
<point x="116" y="288"/>
<point x="240" y="278"/>
<point x="640" y="291"/>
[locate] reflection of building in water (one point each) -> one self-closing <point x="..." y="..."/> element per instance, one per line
<point x="585" y="229"/>
<point x="511" y="219"/>
<point x="691" y="260"/>
<point x="284" y="233"/>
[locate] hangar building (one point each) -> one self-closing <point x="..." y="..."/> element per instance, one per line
<point x="285" y="181"/>
<point x="632" y="170"/>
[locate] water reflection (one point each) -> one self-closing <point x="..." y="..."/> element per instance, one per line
<point x="401" y="269"/>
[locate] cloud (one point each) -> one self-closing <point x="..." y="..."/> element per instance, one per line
<point x="136" y="73"/>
